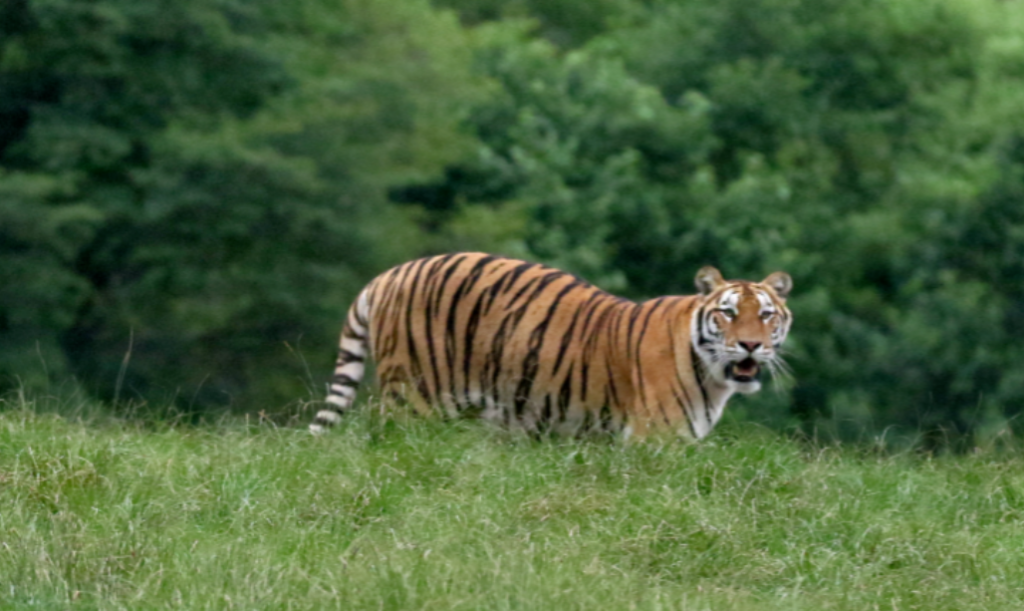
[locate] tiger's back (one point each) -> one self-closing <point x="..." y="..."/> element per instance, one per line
<point x="527" y="346"/>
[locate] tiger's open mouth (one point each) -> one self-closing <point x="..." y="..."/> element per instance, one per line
<point x="746" y="370"/>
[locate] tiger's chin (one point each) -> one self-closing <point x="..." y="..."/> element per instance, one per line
<point x="744" y="376"/>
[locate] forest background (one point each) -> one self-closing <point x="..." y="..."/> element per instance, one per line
<point x="192" y="191"/>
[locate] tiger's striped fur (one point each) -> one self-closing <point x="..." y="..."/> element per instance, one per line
<point x="539" y="349"/>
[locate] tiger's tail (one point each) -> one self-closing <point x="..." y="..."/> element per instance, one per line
<point x="353" y="349"/>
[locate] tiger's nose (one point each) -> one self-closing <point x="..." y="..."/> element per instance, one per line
<point x="750" y="346"/>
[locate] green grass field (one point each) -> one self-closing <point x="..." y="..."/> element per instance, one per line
<point x="432" y="515"/>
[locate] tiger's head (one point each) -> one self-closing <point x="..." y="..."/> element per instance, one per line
<point x="739" y="328"/>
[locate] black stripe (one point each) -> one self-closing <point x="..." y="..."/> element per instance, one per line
<point x="498" y="346"/>
<point x="532" y="361"/>
<point x="584" y="376"/>
<point x="379" y="319"/>
<point x="348" y="333"/>
<point x="519" y="293"/>
<point x="686" y="405"/>
<point x="542" y="283"/>
<point x="697" y="366"/>
<point x="494" y="363"/>
<point x="565" y="396"/>
<point x="566" y="339"/>
<point x="433" y="286"/>
<point x="606" y="418"/>
<point x="467" y="357"/>
<point x="451" y="332"/>
<point x="686" y="415"/>
<point x="414" y="357"/>
<point x="395" y="302"/>
<point x="633" y="316"/>
<point x="422" y="389"/>
<point x="701" y="339"/>
<point x="601" y="329"/>
<point x="490" y="294"/>
<point x="591" y="312"/>
<point x="344" y="380"/>
<point x="611" y="385"/>
<point x="685" y="400"/>
<point x="344" y="356"/>
<point x="545" y="415"/>
<point x="664" y="414"/>
<point x="390" y="374"/>
<point x="639" y="361"/>
<point x="390" y="287"/>
<point x="515" y="273"/>
<point x="618" y="325"/>
<point x="647" y="321"/>
<point x="634" y="359"/>
<point x="613" y="326"/>
<point x="588" y="421"/>
<point x="447" y="277"/>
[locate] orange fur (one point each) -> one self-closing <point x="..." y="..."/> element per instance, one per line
<point x="535" y="348"/>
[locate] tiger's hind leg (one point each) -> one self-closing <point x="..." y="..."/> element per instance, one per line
<point x="348" y="369"/>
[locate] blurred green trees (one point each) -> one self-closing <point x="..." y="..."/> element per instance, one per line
<point x="188" y="185"/>
<point x="193" y="191"/>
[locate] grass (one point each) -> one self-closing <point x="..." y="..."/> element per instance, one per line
<point x="430" y="515"/>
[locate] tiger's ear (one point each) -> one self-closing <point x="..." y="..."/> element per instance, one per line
<point x="708" y="279"/>
<point x="781" y="283"/>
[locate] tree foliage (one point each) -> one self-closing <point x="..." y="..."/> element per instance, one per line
<point x="208" y="182"/>
<point x="187" y="186"/>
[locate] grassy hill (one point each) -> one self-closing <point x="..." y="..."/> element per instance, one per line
<point x="109" y="514"/>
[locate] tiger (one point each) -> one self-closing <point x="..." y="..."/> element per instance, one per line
<point x="535" y="348"/>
